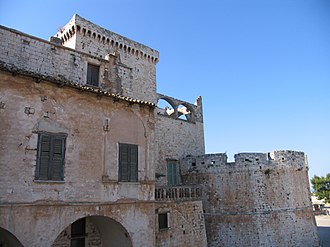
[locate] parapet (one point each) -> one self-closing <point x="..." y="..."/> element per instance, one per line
<point x="208" y="163"/>
<point x="178" y="109"/>
<point x="217" y="163"/>
<point x="101" y="40"/>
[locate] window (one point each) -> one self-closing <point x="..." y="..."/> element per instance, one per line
<point x="172" y="173"/>
<point x="128" y="162"/>
<point x="50" y="157"/>
<point x="163" y="221"/>
<point x="93" y="75"/>
<point x="78" y="233"/>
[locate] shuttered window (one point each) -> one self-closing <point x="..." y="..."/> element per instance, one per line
<point x="172" y="173"/>
<point x="128" y="162"/>
<point x="93" y="75"/>
<point x="50" y="157"/>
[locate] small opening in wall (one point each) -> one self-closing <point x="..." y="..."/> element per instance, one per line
<point x="193" y="164"/>
<point x="163" y="221"/>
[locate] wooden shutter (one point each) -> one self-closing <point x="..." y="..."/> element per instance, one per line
<point x="93" y="75"/>
<point x="50" y="159"/>
<point x="128" y="162"/>
<point x="172" y="173"/>
<point x="44" y="155"/>
<point x="133" y="149"/>
<point x="123" y="162"/>
<point x="56" y="169"/>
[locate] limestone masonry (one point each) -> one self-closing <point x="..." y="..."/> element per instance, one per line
<point x="92" y="155"/>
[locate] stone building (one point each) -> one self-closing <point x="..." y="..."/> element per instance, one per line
<point x="89" y="158"/>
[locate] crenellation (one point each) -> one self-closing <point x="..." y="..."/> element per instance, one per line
<point x="103" y="37"/>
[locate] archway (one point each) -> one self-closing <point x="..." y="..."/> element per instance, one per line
<point x="166" y="107"/>
<point x="7" y="239"/>
<point x="97" y="231"/>
<point x="185" y="112"/>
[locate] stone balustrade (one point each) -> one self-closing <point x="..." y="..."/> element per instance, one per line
<point x="174" y="193"/>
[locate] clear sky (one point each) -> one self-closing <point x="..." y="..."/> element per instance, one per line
<point x="261" y="66"/>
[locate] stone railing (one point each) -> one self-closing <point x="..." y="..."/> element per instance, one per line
<point x="166" y="193"/>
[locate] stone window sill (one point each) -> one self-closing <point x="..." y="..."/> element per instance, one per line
<point x="48" y="182"/>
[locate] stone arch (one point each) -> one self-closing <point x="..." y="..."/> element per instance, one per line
<point x="99" y="231"/>
<point x="8" y="239"/>
<point x="166" y="107"/>
<point x="185" y="112"/>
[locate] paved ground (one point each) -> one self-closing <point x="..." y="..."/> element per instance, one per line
<point x="323" y="226"/>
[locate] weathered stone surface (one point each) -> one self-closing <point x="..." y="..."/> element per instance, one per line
<point x="186" y="227"/>
<point x="259" y="200"/>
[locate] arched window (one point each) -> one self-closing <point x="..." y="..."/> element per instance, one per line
<point x="164" y="107"/>
<point x="184" y="112"/>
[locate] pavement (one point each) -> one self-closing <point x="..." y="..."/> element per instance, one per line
<point x="323" y="227"/>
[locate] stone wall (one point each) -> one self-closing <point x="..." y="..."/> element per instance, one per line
<point x="186" y="224"/>
<point x="91" y="159"/>
<point x="44" y="224"/>
<point x="122" y="74"/>
<point x="176" y="138"/>
<point x="259" y="200"/>
<point x="138" y="62"/>
<point x="93" y="237"/>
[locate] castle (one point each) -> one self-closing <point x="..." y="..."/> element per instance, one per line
<point x="89" y="158"/>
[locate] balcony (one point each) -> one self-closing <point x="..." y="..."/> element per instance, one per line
<point x="175" y="193"/>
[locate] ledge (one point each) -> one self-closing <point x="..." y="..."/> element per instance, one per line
<point x="62" y="82"/>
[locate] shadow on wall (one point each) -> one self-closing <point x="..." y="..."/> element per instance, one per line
<point x="7" y="239"/>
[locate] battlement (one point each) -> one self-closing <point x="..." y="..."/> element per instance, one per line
<point x="83" y="35"/>
<point x="217" y="163"/>
<point x="47" y="60"/>
<point x="178" y="109"/>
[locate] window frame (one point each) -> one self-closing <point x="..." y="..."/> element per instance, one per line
<point x="128" y="164"/>
<point x="92" y="68"/>
<point x="161" y="224"/>
<point x="172" y="172"/>
<point x="47" y="163"/>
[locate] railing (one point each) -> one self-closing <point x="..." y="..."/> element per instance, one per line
<point x="166" y="193"/>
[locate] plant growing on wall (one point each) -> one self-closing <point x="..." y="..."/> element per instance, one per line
<point x="321" y="186"/>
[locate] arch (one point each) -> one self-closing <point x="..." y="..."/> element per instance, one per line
<point x="185" y="112"/>
<point x="102" y="230"/>
<point x="166" y="107"/>
<point x="8" y="239"/>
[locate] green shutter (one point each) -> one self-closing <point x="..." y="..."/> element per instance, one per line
<point x="128" y="162"/>
<point x="123" y="162"/>
<point x="50" y="157"/>
<point x="133" y="163"/>
<point x="44" y="157"/>
<point x="58" y="158"/>
<point x="172" y="173"/>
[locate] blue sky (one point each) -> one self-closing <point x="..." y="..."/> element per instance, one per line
<point x="261" y="66"/>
